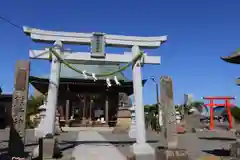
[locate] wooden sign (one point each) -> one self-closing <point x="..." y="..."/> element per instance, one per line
<point x="19" y="103"/>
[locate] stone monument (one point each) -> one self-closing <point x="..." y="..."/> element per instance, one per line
<point x="19" y="104"/>
<point x="170" y="150"/>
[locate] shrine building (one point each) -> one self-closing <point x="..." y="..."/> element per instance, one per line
<point x="83" y="102"/>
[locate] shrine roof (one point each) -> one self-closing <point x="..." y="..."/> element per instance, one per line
<point x="234" y="58"/>
<point x="68" y="73"/>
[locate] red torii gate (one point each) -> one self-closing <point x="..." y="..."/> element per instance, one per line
<point x="227" y="105"/>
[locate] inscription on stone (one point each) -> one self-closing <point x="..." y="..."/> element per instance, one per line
<point x="19" y="103"/>
<point x="169" y="119"/>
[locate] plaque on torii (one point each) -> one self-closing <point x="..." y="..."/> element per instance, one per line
<point x="97" y="55"/>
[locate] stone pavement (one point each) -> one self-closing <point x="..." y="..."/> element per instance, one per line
<point x="83" y="142"/>
<point x="92" y="151"/>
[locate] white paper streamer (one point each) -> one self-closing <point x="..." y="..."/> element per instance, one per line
<point x="84" y="74"/>
<point x="116" y="81"/>
<point x="108" y="82"/>
<point x="94" y="77"/>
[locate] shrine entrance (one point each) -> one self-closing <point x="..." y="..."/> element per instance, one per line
<point x="227" y="106"/>
<point x="88" y="109"/>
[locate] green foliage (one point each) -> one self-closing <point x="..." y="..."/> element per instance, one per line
<point x="236" y="113"/>
<point x="198" y="105"/>
<point x="195" y="104"/>
<point x="150" y="119"/>
<point x="151" y="108"/>
<point x="32" y="108"/>
<point x="33" y="104"/>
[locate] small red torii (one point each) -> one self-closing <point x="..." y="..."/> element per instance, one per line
<point x="227" y="105"/>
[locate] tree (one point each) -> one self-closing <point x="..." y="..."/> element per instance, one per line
<point x="33" y="104"/>
<point x="198" y="105"/>
<point x="32" y="108"/>
<point x="151" y="108"/>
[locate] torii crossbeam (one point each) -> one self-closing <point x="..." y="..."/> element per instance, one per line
<point x="86" y="38"/>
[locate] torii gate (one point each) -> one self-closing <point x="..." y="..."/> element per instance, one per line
<point x="98" y="41"/>
<point x="227" y="106"/>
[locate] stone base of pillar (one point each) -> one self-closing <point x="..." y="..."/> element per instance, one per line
<point x="143" y="151"/>
<point x="167" y="154"/>
<point x="57" y="130"/>
<point x="235" y="150"/>
<point x="47" y="149"/>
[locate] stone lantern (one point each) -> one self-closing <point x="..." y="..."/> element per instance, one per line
<point x="42" y="113"/>
<point x="42" y="110"/>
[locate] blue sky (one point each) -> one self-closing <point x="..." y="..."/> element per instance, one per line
<point x="199" y="32"/>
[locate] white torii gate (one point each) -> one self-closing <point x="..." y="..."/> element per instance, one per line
<point x="135" y="43"/>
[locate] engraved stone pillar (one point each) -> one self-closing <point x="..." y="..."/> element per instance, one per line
<point x="19" y="103"/>
<point x="169" y="117"/>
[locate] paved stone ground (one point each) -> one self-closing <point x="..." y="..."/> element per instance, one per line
<point x="31" y="142"/>
<point x="120" y="144"/>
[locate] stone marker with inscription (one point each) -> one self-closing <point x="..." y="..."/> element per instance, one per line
<point x="170" y="151"/>
<point x="19" y="103"/>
